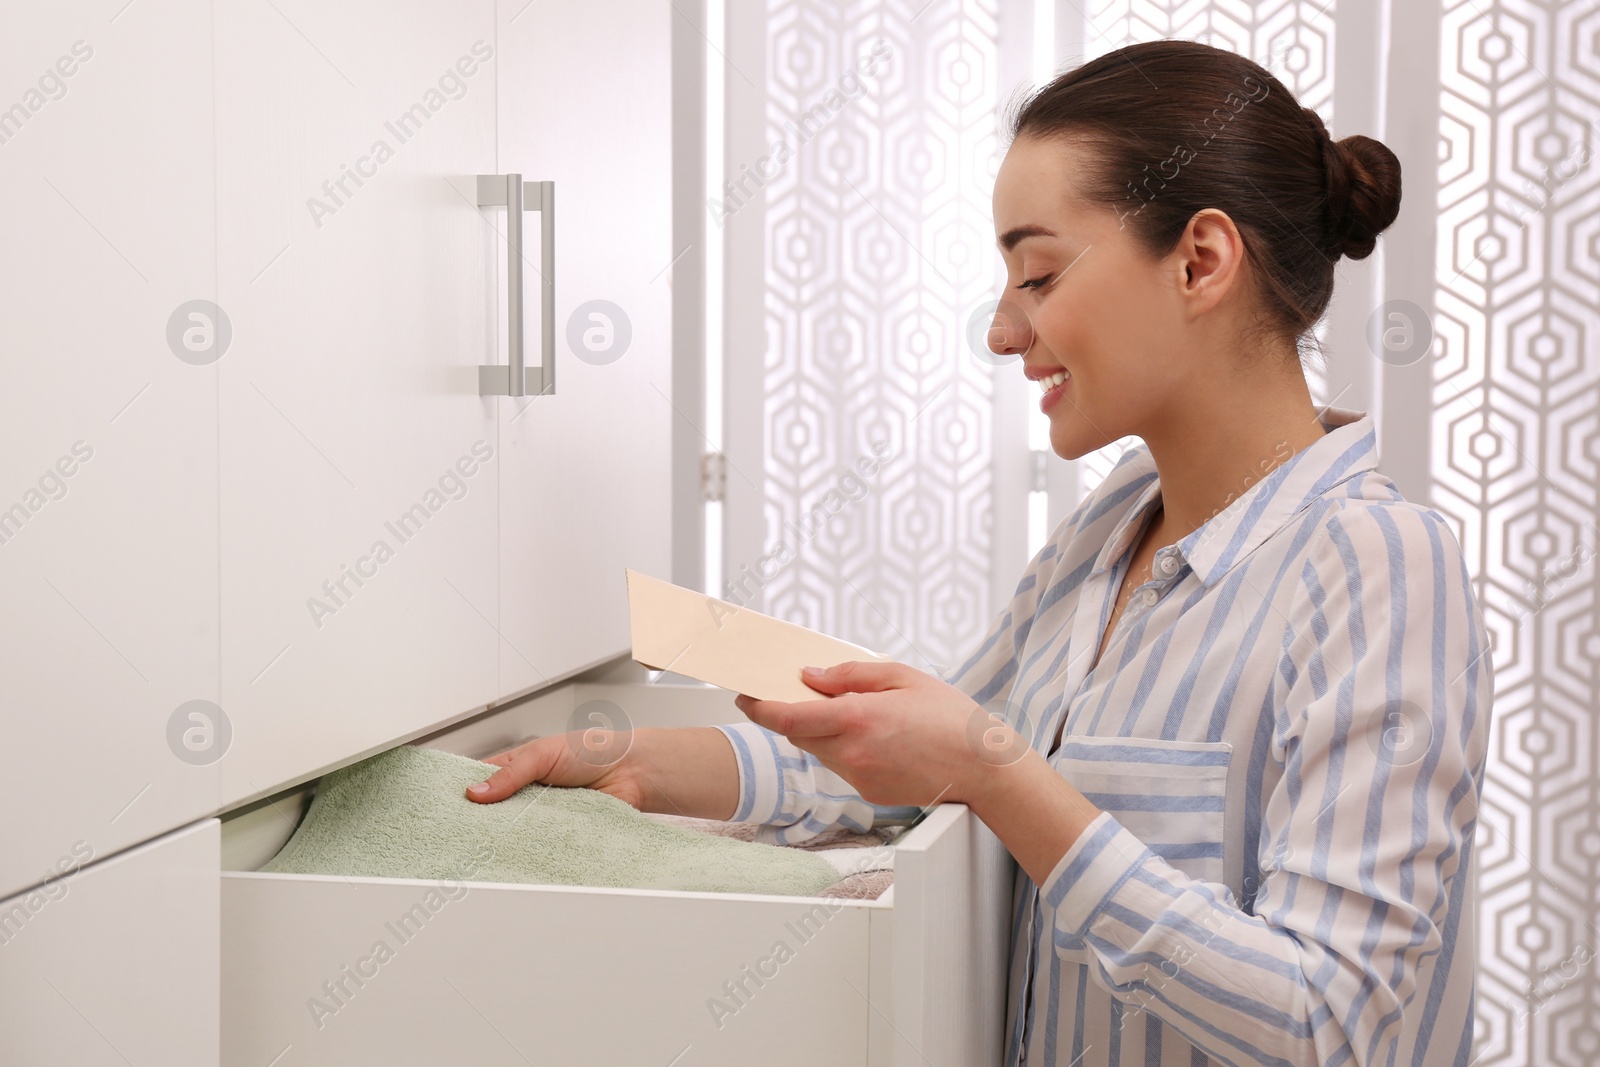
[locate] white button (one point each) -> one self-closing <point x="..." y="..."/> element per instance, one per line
<point x="1149" y="596"/>
<point x="1168" y="564"/>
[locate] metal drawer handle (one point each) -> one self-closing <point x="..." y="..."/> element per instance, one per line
<point x="516" y="196"/>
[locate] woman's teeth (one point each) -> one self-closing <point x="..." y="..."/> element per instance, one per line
<point x="1049" y="383"/>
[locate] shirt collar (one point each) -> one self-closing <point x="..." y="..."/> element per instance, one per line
<point x="1348" y="448"/>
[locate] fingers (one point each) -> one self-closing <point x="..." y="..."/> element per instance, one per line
<point x="858" y="676"/>
<point x="806" y="718"/>
<point x="518" y="767"/>
<point x="499" y="785"/>
<point x="828" y="717"/>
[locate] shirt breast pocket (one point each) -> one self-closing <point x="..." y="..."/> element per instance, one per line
<point x="1172" y="795"/>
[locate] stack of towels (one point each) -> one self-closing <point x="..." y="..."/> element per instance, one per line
<point x="404" y="814"/>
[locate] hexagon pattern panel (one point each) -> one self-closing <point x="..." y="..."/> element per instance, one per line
<point x="1516" y="447"/>
<point x="879" y="246"/>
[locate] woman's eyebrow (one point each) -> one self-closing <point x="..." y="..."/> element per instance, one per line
<point x="1011" y="238"/>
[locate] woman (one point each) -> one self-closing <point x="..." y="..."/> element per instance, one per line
<point x="1232" y="724"/>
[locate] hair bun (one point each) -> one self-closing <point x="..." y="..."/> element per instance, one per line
<point x="1363" y="192"/>
<point x="1363" y="181"/>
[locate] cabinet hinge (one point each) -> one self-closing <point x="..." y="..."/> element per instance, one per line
<point x="713" y="475"/>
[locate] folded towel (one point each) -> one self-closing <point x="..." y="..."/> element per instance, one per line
<point x="848" y="861"/>
<point x="870" y="885"/>
<point x="865" y="859"/>
<point x="403" y="814"/>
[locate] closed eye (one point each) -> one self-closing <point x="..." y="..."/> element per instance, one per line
<point x="1036" y="283"/>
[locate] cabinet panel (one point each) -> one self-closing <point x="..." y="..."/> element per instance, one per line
<point x="108" y="477"/>
<point x="360" y="466"/>
<point x="117" y="962"/>
<point x="409" y="973"/>
<point x="586" y="102"/>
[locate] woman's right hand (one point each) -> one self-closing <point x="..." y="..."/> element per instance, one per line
<point x="680" y="771"/>
<point x="598" y="759"/>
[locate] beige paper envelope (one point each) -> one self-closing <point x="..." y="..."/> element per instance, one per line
<point x="710" y="640"/>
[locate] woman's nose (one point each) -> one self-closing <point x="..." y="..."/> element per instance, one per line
<point x="1010" y="332"/>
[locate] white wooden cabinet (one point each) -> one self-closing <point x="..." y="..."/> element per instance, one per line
<point x="359" y="578"/>
<point x="316" y="522"/>
<point x="585" y="481"/>
<point x="108" y="441"/>
<point x="563" y="974"/>
<point x="371" y="586"/>
<point x="116" y="962"/>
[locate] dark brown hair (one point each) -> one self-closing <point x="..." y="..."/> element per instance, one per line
<point x="1177" y="126"/>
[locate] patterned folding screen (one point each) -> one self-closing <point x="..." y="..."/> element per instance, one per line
<point x="879" y="241"/>
<point x="1516" y="464"/>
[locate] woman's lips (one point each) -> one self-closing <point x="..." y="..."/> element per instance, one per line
<point x="1055" y="393"/>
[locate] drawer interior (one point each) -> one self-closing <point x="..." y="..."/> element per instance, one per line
<point x="254" y="833"/>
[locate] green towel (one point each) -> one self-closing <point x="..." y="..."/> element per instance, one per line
<point x="403" y="814"/>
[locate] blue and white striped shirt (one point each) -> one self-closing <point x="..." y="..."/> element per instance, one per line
<point x="1286" y="737"/>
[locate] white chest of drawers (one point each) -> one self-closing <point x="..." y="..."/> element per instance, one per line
<point x="332" y="970"/>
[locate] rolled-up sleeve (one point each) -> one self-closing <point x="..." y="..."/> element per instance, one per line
<point x="1381" y="736"/>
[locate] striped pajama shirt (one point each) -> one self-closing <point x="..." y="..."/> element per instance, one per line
<point x="1286" y="739"/>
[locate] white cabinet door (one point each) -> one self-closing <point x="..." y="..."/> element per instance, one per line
<point x="117" y="962"/>
<point x="586" y="102"/>
<point x="359" y="465"/>
<point x="108" y="434"/>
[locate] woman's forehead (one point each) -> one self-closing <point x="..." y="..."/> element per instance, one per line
<point x="1034" y="186"/>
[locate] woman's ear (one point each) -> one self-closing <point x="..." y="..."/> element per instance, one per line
<point x="1211" y="251"/>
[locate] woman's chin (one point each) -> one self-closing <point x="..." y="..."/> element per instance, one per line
<point x="1075" y="441"/>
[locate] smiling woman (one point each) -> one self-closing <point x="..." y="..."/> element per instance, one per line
<point x="1169" y="233"/>
<point x="1234" y="740"/>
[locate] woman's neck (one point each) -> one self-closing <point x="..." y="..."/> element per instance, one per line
<point x="1221" y="441"/>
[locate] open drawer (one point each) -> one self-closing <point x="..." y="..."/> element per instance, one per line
<point x="341" y="971"/>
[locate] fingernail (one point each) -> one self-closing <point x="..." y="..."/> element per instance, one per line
<point x="813" y="672"/>
<point x="481" y="787"/>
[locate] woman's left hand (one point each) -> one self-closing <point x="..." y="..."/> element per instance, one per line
<point x="898" y="735"/>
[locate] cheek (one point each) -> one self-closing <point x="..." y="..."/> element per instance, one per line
<point x="1080" y="330"/>
<point x="1115" y="293"/>
<point x="1121" y="315"/>
<point x="1065" y="320"/>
